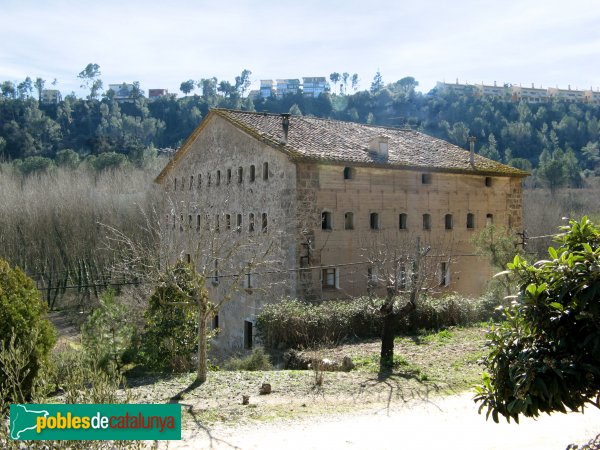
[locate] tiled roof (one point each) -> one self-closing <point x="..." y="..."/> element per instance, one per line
<point x="336" y="142"/>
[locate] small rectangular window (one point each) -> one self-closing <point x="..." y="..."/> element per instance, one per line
<point x="181" y="222"/>
<point x="248" y="281"/>
<point x="425" y="178"/>
<point x="489" y="219"/>
<point x="248" y="340"/>
<point x="188" y="258"/>
<point x="264" y="222"/>
<point x="217" y="224"/>
<point x="198" y="221"/>
<point x="208" y="179"/>
<point x="265" y="171"/>
<point x="191" y="182"/>
<point x="190" y="221"/>
<point x="426" y="221"/>
<point x="470" y="221"/>
<point x="175" y="184"/>
<point x="228" y="176"/>
<point x="448" y="221"/>
<point x="240" y="175"/>
<point x="215" y="321"/>
<point x="228" y="221"/>
<point x="488" y="181"/>
<point x="330" y="278"/>
<point x="403" y="221"/>
<point x="218" y="181"/>
<point x="239" y="223"/>
<point x="374" y="221"/>
<point x="444" y="274"/>
<point x="251" y="222"/>
<point x="252" y="173"/>
<point x="348" y="173"/>
<point x="349" y="221"/>
<point x="199" y="181"/>
<point x="326" y="220"/>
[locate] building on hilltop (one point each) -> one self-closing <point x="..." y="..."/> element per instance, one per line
<point x="51" y="96"/>
<point x="320" y="191"/>
<point x="314" y="86"/>
<point x="154" y="94"/>
<point x="288" y="86"/>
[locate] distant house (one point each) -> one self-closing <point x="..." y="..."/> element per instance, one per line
<point x="154" y="94"/>
<point x="123" y="92"/>
<point x="314" y="86"/>
<point x="51" y="96"/>
<point x="287" y="86"/>
<point x="319" y="190"/>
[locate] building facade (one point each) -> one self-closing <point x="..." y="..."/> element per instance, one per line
<point x="319" y="193"/>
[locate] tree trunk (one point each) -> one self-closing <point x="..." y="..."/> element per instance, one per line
<point x="202" y="346"/>
<point x="388" y="333"/>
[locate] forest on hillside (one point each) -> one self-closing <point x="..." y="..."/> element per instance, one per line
<point x="558" y="140"/>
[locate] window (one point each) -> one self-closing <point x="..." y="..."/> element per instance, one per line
<point x="489" y="219"/>
<point x="188" y="258"/>
<point x="240" y="174"/>
<point x="265" y="171"/>
<point x="403" y="221"/>
<point x="330" y="278"/>
<point x="175" y="184"/>
<point x="444" y="274"/>
<point x="510" y="224"/>
<point x="251" y="222"/>
<point x="488" y="181"/>
<point x="248" y="281"/>
<point x="208" y="179"/>
<point x="228" y="221"/>
<point x="218" y="181"/>
<point x="349" y="221"/>
<point x="348" y="173"/>
<point x="217" y="224"/>
<point x="182" y="184"/>
<point x="448" y="221"/>
<point x="247" y="334"/>
<point x="181" y="222"/>
<point x="215" y="321"/>
<point x="228" y="176"/>
<point x="199" y="181"/>
<point x="252" y="174"/>
<point x="426" y="221"/>
<point x="197" y="221"/>
<point x="372" y="277"/>
<point x="239" y="223"/>
<point x="173" y="220"/>
<point x="326" y="220"/>
<point x="190" y="221"/>
<point x="191" y="182"/>
<point x="215" y="279"/>
<point x="167" y="221"/>
<point x="470" y="221"/>
<point x="425" y="178"/>
<point x="374" y="221"/>
<point x="265" y="222"/>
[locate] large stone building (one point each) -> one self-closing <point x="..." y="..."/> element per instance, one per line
<point x="321" y="191"/>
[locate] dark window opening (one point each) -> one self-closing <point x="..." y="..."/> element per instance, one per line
<point x="426" y="221"/>
<point x="403" y="221"/>
<point x="252" y="174"/>
<point x="175" y="184"/>
<point x="470" y="221"/>
<point x="425" y="178"/>
<point x="208" y="179"/>
<point x="217" y="223"/>
<point x="374" y="221"/>
<point x="199" y="181"/>
<point x="488" y="181"/>
<point x="330" y="278"/>
<point x="198" y="222"/>
<point x="251" y="222"/>
<point x="228" y="221"/>
<point x="190" y="221"/>
<point x="326" y="220"/>
<point x="215" y="321"/>
<point x="239" y="223"/>
<point x="489" y="219"/>
<point x="265" y="171"/>
<point x="191" y="182"/>
<point x="448" y="221"/>
<point x="188" y="258"/>
<point x="240" y="174"/>
<point x="349" y="221"/>
<point x="444" y="275"/>
<point x="228" y="176"/>
<point x="265" y="222"/>
<point x="247" y="334"/>
<point x="181" y="222"/>
<point x="218" y="181"/>
<point x="348" y="173"/>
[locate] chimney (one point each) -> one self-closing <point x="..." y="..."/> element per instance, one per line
<point x="472" y="140"/>
<point x="495" y="84"/>
<point x="285" y="123"/>
<point x="532" y="86"/>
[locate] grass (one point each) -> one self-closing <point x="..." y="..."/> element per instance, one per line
<point x="424" y="365"/>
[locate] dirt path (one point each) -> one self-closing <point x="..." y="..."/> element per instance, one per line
<point x="448" y="423"/>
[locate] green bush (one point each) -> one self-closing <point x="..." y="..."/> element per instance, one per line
<point x="295" y="324"/>
<point x="546" y="356"/>
<point x="67" y="158"/>
<point x="34" y="164"/>
<point x="257" y="360"/>
<point x="169" y="339"/>
<point x="23" y="321"/>
<point x="108" y="332"/>
<point x="107" y="160"/>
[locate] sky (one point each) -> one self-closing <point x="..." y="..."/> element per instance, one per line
<point x="162" y="43"/>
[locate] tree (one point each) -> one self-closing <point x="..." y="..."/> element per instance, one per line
<point x="209" y="87"/>
<point x="187" y="87"/>
<point x="67" y="158"/>
<point x="345" y="77"/>
<point x="355" y="82"/>
<point x="335" y="78"/>
<point x="90" y="80"/>
<point x="545" y="356"/>
<point x="39" y="87"/>
<point x="23" y="321"/>
<point x="242" y="82"/>
<point x="399" y="267"/>
<point x="377" y="83"/>
<point x="25" y="88"/>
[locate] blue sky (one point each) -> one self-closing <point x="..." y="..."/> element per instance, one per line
<point x="162" y="43"/>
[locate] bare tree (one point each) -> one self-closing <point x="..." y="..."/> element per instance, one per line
<point x="403" y="268"/>
<point x="223" y="256"/>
